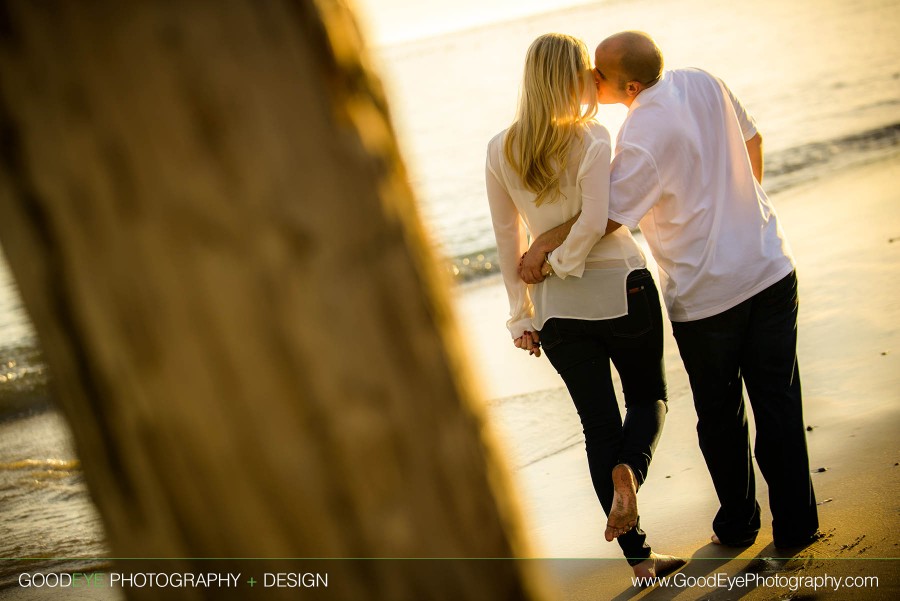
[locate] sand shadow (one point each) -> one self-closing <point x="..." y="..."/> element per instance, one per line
<point x="769" y="561"/>
<point x="707" y="561"/>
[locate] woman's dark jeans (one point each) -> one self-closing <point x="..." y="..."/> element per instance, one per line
<point x="581" y="350"/>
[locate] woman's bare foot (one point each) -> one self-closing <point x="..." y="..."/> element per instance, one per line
<point x="623" y="515"/>
<point x="657" y="566"/>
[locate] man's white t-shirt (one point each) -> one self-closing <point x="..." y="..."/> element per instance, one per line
<point x="682" y="173"/>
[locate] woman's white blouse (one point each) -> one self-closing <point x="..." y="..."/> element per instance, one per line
<point x="589" y="268"/>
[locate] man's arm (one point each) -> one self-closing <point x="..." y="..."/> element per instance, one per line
<point x="755" y="150"/>
<point x="532" y="264"/>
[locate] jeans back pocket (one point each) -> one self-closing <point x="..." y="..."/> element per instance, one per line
<point x="639" y="320"/>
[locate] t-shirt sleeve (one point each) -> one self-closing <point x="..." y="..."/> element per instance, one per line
<point x="634" y="185"/>
<point x="746" y="121"/>
<point x="512" y="241"/>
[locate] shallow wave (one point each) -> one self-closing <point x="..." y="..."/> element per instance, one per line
<point x="23" y="380"/>
<point x="48" y="466"/>
<point x="808" y="162"/>
<point x="48" y="518"/>
<point x="536" y="425"/>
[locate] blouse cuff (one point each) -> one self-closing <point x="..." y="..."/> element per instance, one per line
<point x="519" y="327"/>
<point x="562" y="270"/>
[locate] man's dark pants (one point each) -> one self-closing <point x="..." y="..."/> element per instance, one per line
<point x="754" y="343"/>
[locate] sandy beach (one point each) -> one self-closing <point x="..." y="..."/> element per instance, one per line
<point x="845" y="234"/>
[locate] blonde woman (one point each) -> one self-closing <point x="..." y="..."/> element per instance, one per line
<point x="599" y="303"/>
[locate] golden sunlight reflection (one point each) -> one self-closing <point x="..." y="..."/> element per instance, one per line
<point x="44" y="464"/>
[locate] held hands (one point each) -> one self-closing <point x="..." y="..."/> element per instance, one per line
<point x="529" y="341"/>
<point x="534" y="266"/>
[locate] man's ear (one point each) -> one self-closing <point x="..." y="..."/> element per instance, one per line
<point x="633" y="88"/>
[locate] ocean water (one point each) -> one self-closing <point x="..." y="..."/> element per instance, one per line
<point x="45" y="512"/>
<point x="821" y="77"/>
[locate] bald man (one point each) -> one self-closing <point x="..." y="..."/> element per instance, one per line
<point x="687" y="169"/>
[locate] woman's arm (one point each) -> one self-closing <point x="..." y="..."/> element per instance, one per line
<point x="591" y="225"/>
<point x="512" y="241"/>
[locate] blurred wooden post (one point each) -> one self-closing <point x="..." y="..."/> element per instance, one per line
<point x="206" y="213"/>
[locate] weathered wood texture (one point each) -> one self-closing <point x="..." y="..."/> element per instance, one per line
<point x="206" y="213"/>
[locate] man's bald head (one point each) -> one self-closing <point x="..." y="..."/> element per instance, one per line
<point x="639" y="58"/>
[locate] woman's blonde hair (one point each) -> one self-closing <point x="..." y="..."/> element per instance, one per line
<point x="551" y="115"/>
